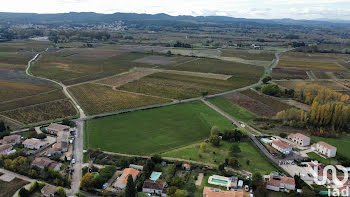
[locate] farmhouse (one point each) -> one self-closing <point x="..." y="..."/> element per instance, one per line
<point x="186" y="166"/>
<point x="55" y="128"/>
<point x="155" y="187"/>
<point x="12" y="139"/>
<point x="34" y="143"/>
<point x="42" y="162"/>
<point x="57" y="149"/>
<point x="5" y="149"/>
<point x="63" y="137"/>
<point x="300" y="139"/>
<point x="48" y="191"/>
<point x="324" y="149"/>
<point x="280" y="183"/>
<point x="122" y="180"/>
<point x="281" y="146"/>
<point x="214" y="192"/>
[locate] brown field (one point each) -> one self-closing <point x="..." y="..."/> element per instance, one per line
<point x="297" y="104"/>
<point x="32" y="100"/>
<point x="342" y="75"/>
<point x="197" y="74"/>
<point x="14" y="89"/>
<point x="309" y="61"/>
<point x="95" y="99"/>
<point x="322" y="75"/>
<point x="125" y="78"/>
<point x="8" y="189"/>
<point x="250" y="104"/>
<point x="95" y="53"/>
<point x="292" y="84"/>
<point x="345" y="83"/>
<point x="42" y="112"/>
<point x="286" y="73"/>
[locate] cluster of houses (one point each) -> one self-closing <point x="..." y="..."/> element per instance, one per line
<point x="298" y="139"/>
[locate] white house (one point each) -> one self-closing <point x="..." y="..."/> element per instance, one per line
<point x="300" y="139"/>
<point x="155" y="187"/>
<point x="280" y="183"/>
<point x="324" y="149"/>
<point x="34" y="143"/>
<point x="281" y="146"/>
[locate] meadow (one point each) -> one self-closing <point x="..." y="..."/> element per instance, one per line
<point x="232" y="109"/>
<point x="42" y="112"/>
<point x="257" y="162"/>
<point x="153" y="131"/>
<point x="95" y="98"/>
<point x="177" y="86"/>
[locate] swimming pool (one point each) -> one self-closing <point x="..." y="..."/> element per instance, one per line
<point x="155" y="175"/>
<point x="219" y="181"/>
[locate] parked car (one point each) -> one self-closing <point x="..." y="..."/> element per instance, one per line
<point x="73" y="161"/>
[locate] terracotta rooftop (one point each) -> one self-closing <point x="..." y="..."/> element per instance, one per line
<point x="281" y="144"/>
<point x="62" y="135"/>
<point x="5" y="147"/>
<point x="299" y="136"/>
<point x="214" y="192"/>
<point x="324" y="144"/>
<point x="124" y="177"/>
<point x="155" y="185"/>
<point x="57" y="127"/>
<point x="277" y="180"/>
<point x="42" y="162"/>
<point x="60" y="145"/>
<point x="33" y="141"/>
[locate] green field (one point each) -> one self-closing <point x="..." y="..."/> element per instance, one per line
<point x="95" y="98"/>
<point x="178" y="86"/>
<point x="153" y="131"/>
<point x="342" y="143"/>
<point x="8" y="189"/>
<point x="257" y="162"/>
<point x="315" y="156"/>
<point x="232" y="109"/>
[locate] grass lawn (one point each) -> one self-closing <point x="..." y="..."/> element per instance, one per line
<point x="5" y="53"/>
<point x="315" y="156"/>
<point x="155" y="130"/>
<point x="342" y="143"/>
<point x="232" y="109"/>
<point x="9" y="188"/>
<point x="257" y="161"/>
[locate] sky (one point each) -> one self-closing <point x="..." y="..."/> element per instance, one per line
<point x="266" y="9"/>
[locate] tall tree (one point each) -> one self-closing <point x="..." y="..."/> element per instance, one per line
<point x="130" y="190"/>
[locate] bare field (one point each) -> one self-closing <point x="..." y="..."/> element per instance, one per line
<point x="197" y="74"/>
<point x="248" y="54"/>
<point x="163" y="60"/>
<point x="297" y="104"/>
<point x="95" y="99"/>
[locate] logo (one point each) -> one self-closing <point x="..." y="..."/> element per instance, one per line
<point x="322" y="176"/>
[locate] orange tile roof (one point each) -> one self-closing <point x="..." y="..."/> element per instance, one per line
<point x="277" y="180"/>
<point x="300" y="136"/>
<point x="126" y="172"/>
<point x="281" y="144"/>
<point x="213" y="192"/>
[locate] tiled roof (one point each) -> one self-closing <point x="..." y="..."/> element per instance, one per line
<point x="277" y="180"/>
<point x="213" y="192"/>
<point x="124" y="177"/>
<point x="11" y="138"/>
<point x="57" y="127"/>
<point x="300" y="136"/>
<point x="324" y="144"/>
<point x="281" y="144"/>
<point x="5" y="147"/>
<point x="155" y="185"/>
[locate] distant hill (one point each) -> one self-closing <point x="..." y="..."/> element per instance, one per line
<point x="96" y="18"/>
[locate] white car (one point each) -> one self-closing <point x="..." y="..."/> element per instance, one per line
<point x="73" y="161"/>
<point x="246" y="187"/>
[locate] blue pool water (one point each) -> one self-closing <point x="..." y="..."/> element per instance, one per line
<point x="155" y="176"/>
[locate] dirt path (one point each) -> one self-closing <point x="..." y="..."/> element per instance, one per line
<point x="311" y="75"/>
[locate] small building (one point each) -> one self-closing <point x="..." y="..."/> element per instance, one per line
<point x="12" y="139"/>
<point x="55" y="128"/>
<point x="158" y="187"/>
<point x="300" y="139"/>
<point x="48" y="191"/>
<point x="42" y="162"/>
<point x="280" y="183"/>
<point x="281" y="146"/>
<point x="63" y="137"/>
<point x="324" y="149"/>
<point x="186" y="166"/>
<point x="5" y="149"/>
<point x="214" y="192"/>
<point x="122" y="180"/>
<point x="57" y="149"/>
<point x="34" y="143"/>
